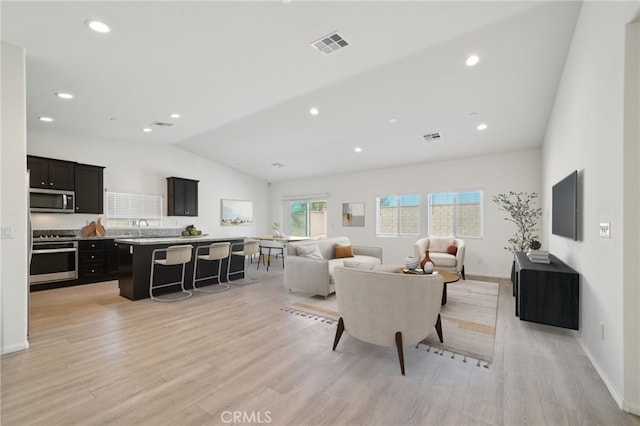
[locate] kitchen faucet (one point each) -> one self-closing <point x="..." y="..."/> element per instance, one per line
<point x="140" y="230"/>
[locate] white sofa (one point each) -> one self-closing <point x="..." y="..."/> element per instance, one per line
<point x="441" y="259"/>
<point x="311" y="271"/>
<point x="387" y="308"/>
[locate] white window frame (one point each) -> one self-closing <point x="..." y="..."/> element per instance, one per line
<point x="398" y="232"/>
<point x="455" y="195"/>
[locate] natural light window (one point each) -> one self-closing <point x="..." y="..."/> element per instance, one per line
<point x="123" y="208"/>
<point x="398" y="215"/>
<point x="309" y="219"/>
<point x="455" y="213"/>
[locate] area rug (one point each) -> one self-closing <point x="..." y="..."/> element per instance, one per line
<point x="468" y="319"/>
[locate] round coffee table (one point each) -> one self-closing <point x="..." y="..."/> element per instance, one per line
<point x="448" y="277"/>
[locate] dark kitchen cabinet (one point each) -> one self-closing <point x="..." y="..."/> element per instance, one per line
<point x="182" y="197"/>
<point x="110" y="259"/>
<point x="89" y="189"/>
<point x="91" y="260"/>
<point x="48" y="173"/>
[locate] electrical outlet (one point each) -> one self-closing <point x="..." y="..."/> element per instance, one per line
<point x="6" y="232"/>
<point x="605" y="230"/>
<point x="602" y="330"/>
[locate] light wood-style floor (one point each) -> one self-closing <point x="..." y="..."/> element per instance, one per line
<point x="96" y="358"/>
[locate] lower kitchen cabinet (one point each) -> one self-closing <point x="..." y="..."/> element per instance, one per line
<point x="97" y="261"/>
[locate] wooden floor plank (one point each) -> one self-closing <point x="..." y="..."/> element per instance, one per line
<point x="97" y="358"/>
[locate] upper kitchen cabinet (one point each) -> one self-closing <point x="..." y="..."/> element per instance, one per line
<point x="48" y="173"/>
<point x="89" y="189"/>
<point x="182" y="197"/>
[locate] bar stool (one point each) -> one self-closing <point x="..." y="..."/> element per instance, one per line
<point x="175" y="255"/>
<point x="248" y="249"/>
<point x="217" y="251"/>
<point x="269" y="246"/>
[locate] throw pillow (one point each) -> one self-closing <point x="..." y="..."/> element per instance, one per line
<point x="358" y="265"/>
<point x="453" y="250"/>
<point x="311" y="250"/>
<point x="440" y="244"/>
<point x="343" y="251"/>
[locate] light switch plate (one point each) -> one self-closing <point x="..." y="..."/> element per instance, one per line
<point x="6" y="232"/>
<point x="605" y="230"/>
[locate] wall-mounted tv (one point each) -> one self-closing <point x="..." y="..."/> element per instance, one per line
<point x="564" y="207"/>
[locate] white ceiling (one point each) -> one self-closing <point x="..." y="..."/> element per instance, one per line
<point x="243" y="77"/>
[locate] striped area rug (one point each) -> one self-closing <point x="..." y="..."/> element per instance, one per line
<point x="468" y="319"/>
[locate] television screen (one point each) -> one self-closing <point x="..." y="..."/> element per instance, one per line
<point x="564" y="207"/>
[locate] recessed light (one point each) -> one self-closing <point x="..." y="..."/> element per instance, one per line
<point x="97" y="26"/>
<point x="358" y="149"/>
<point x="314" y="111"/>
<point x="472" y="60"/>
<point x="175" y="115"/>
<point x="481" y="126"/>
<point x="146" y="130"/>
<point x="47" y="119"/>
<point x="63" y="95"/>
<point x="393" y="120"/>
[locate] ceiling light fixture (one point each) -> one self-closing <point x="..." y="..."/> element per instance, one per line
<point x="97" y="26"/>
<point x="358" y="149"/>
<point x="146" y="130"/>
<point x="481" y="126"/>
<point x="314" y="111"/>
<point x="175" y="115"/>
<point x="47" y="119"/>
<point x="63" y="95"/>
<point x="472" y="60"/>
<point x="393" y="120"/>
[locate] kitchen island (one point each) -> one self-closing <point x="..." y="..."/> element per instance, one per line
<point x="134" y="264"/>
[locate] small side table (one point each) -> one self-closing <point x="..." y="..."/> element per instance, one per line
<point x="448" y="277"/>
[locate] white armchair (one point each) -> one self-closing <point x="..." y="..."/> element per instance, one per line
<point x="442" y="259"/>
<point x="387" y="308"/>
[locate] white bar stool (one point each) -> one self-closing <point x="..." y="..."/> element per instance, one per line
<point x="175" y="255"/>
<point x="249" y="249"/>
<point x="217" y="251"/>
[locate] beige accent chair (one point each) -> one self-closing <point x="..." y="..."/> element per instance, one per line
<point x="442" y="260"/>
<point x="387" y="308"/>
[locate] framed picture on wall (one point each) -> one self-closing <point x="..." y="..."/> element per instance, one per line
<point x="236" y="212"/>
<point x="352" y="214"/>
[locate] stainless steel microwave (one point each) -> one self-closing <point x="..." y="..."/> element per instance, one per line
<point x="51" y="200"/>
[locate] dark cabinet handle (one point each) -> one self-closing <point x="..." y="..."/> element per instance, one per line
<point x="41" y="183"/>
<point x="93" y="257"/>
<point x="50" y="183"/>
<point x="77" y="207"/>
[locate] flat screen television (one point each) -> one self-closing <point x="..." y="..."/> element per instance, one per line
<point x="564" y="207"/>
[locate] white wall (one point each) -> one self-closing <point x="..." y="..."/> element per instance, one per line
<point x="13" y="202"/>
<point x="585" y="132"/>
<point x="493" y="174"/>
<point x="142" y="168"/>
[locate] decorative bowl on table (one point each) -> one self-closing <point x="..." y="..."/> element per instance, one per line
<point x="411" y="263"/>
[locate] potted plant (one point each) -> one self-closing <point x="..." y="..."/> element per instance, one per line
<point x="519" y="206"/>
<point x="276" y="229"/>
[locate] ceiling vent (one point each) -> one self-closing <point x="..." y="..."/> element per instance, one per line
<point x="330" y="43"/>
<point x="432" y="137"/>
<point x="278" y="165"/>
<point x="161" y="124"/>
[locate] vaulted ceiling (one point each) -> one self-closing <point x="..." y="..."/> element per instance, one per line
<point x="243" y="77"/>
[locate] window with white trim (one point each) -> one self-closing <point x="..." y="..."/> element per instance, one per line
<point x="455" y="213"/>
<point x="123" y="208"/>
<point x="308" y="218"/>
<point x="398" y="215"/>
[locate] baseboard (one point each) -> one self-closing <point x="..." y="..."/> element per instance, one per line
<point x="612" y="390"/>
<point x="631" y="407"/>
<point x="15" y="348"/>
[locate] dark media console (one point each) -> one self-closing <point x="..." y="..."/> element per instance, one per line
<point x="546" y="293"/>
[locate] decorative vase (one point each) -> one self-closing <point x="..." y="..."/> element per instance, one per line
<point x="426" y="259"/>
<point x="411" y="262"/>
<point x="428" y="268"/>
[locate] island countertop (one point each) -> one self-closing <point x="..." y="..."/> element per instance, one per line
<point x="173" y="240"/>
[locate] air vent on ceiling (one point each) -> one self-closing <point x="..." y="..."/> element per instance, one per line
<point x="330" y="43"/>
<point x="161" y="124"/>
<point x="278" y="165"/>
<point x="432" y="137"/>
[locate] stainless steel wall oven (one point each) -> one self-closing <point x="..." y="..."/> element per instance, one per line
<point x="54" y="261"/>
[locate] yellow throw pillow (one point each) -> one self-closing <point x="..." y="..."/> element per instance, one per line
<point x="343" y="251"/>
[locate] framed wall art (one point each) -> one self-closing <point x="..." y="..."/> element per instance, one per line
<point x="352" y="214"/>
<point x="236" y="212"/>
